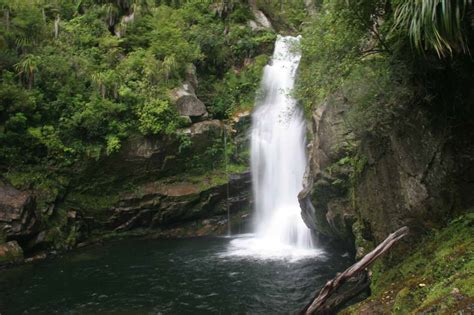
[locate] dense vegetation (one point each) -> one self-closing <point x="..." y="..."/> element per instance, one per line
<point x="385" y="56"/>
<point x="79" y="77"/>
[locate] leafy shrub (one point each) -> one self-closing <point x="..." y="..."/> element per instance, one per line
<point x="156" y="117"/>
<point x="379" y="93"/>
<point x="345" y="52"/>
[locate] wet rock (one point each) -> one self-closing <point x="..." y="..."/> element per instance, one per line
<point x="325" y="199"/>
<point x="40" y="240"/>
<point x="10" y="253"/>
<point x="37" y="257"/>
<point x="142" y="218"/>
<point x="17" y="212"/>
<point x="137" y="189"/>
<point x="150" y="157"/>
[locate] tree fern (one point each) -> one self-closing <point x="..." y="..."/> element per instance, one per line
<point x="27" y="68"/>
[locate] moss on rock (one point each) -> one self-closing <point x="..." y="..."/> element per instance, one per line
<point x="438" y="277"/>
<point x="10" y="253"/>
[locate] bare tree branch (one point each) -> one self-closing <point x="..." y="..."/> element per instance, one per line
<point x="319" y="304"/>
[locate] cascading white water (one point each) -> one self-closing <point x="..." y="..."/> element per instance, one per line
<point x="278" y="162"/>
<point x="278" y="157"/>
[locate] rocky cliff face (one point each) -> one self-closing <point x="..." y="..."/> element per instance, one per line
<point x="156" y="186"/>
<point x="326" y="200"/>
<point x="162" y="205"/>
<point x="17" y="218"/>
<point x="408" y="179"/>
<point x="417" y="174"/>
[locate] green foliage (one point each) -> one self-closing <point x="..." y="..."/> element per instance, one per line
<point x="157" y="117"/>
<point x="378" y="92"/>
<point x="232" y="58"/>
<point x="357" y="50"/>
<point x="113" y="144"/>
<point x="436" y="276"/>
<point x="237" y="91"/>
<point x="27" y="67"/>
<point x="434" y="24"/>
<point x="78" y="77"/>
<point x="212" y="158"/>
<point x="92" y="203"/>
<point x="184" y="141"/>
<point x="347" y="52"/>
<point x="286" y="15"/>
<point x="331" y="47"/>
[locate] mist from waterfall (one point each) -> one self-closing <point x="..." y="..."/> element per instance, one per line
<point x="278" y="161"/>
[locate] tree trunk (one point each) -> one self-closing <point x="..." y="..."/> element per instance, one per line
<point x="325" y="302"/>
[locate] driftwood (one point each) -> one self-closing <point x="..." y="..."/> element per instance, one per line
<point x="325" y="303"/>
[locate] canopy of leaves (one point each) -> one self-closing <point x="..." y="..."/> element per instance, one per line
<point x="360" y="50"/>
<point x="77" y="78"/>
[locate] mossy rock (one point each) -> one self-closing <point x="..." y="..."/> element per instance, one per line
<point x="10" y="253"/>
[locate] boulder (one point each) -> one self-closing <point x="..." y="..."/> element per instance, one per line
<point x="261" y="21"/>
<point x="10" y="253"/>
<point x="187" y="103"/>
<point x="202" y="134"/>
<point x="17" y="212"/>
<point x="255" y="26"/>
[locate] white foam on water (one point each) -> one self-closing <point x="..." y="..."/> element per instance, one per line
<point x="252" y="247"/>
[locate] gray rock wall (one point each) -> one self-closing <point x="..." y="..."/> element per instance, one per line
<point x="325" y="199"/>
<point x="418" y="174"/>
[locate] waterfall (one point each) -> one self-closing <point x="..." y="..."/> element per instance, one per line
<point x="278" y="157"/>
<point x="278" y="161"/>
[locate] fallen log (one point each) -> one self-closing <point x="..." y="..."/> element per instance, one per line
<point x="325" y="303"/>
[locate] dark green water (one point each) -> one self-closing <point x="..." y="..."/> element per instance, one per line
<point x="192" y="276"/>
